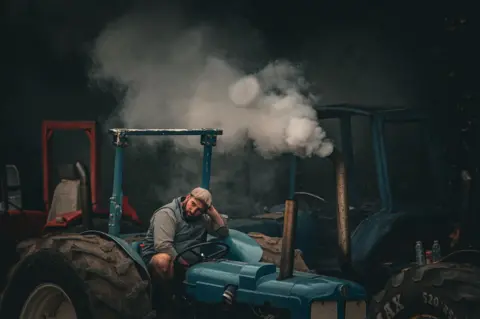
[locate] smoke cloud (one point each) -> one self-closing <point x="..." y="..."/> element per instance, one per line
<point x="170" y="76"/>
<point x="181" y="84"/>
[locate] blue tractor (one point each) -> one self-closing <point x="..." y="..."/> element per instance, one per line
<point x="101" y="275"/>
<point x="384" y="231"/>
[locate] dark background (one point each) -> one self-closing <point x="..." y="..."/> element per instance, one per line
<point x="415" y="54"/>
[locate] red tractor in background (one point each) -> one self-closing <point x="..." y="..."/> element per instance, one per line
<point x="70" y="206"/>
<point x="78" y="188"/>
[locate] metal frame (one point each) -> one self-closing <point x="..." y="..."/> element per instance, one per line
<point x="90" y="128"/>
<point x="208" y="138"/>
<point x="378" y="117"/>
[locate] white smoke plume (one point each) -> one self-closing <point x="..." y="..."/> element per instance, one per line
<point x="180" y="84"/>
<point x="172" y="77"/>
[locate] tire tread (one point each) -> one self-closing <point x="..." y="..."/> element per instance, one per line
<point x="112" y="279"/>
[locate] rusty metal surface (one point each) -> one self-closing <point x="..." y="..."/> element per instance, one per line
<point x="272" y="248"/>
<point x="342" y="206"/>
<point x="288" y="241"/>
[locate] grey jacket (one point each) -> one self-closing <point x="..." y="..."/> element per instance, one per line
<point x="170" y="233"/>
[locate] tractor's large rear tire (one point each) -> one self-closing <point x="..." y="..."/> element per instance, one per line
<point x="436" y="291"/>
<point x="97" y="279"/>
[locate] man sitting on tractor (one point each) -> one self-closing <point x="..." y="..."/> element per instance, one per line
<point x="176" y="226"/>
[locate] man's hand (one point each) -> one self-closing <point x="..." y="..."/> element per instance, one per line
<point x="215" y="216"/>
<point x="222" y="229"/>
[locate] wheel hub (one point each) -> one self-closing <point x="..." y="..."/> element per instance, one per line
<point x="48" y="301"/>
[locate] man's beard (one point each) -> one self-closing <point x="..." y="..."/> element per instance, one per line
<point x="187" y="217"/>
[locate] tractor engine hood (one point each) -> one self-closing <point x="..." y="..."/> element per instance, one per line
<point x="257" y="284"/>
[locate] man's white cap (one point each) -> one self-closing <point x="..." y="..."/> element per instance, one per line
<point x="203" y="195"/>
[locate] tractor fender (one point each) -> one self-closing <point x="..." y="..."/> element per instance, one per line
<point x="381" y="231"/>
<point x="127" y="248"/>
<point x="242" y="247"/>
<point x="369" y="233"/>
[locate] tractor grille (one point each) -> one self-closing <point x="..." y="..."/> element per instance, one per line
<point x="328" y="310"/>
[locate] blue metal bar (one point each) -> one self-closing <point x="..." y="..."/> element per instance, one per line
<point x="206" y="166"/>
<point x="391" y="113"/>
<point x="208" y="142"/>
<point x="160" y="132"/>
<point x="384" y="161"/>
<point x="293" y="175"/>
<point x="339" y="110"/>
<point x="378" y="163"/>
<point x="115" y="213"/>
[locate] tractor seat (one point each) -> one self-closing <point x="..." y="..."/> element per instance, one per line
<point x="66" y="197"/>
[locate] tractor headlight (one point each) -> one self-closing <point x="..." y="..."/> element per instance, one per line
<point x="329" y="310"/>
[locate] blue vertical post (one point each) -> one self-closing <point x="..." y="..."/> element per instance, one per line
<point x="381" y="163"/>
<point x="208" y="142"/>
<point x="378" y="162"/>
<point x="384" y="160"/>
<point x="293" y="175"/>
<point x="115" y="213"/>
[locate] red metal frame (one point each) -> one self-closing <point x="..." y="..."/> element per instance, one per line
<point x="90" y="128"/>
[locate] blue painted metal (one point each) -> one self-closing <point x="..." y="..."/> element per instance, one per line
<point x="242" y="247"/>
<point x="115" y="213"/>
<point x="207" y="156"/>
<point x="208" y="139"/>
<point x="384" y="161"/>
<point x="257" y="282"/>
<point x="164" y="132"/>
<point x="368" y="234"/>
<point x="208" y="142"/>
<point x="269" y="227"/>
<point x="308" y="225"/>
<point x="371" y="231"/>
<point x="380" y="161"/>
<point x="334" y="111"/>
<point x="378" y="126"/>
<point x="257" y="285"/>
<point x="377" y="115"/>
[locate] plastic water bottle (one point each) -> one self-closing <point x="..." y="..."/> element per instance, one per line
<point x="419" y="253"/>
<point x="436" y="251"/>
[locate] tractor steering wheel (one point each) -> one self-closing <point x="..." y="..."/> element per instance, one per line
<point x="225" y="249"/>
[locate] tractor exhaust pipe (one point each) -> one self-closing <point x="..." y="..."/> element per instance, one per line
<point x="288" y="241"/>
<point x="289" y="228"/>
<point x="85" y="199"/>
<point x="342" y="208"/>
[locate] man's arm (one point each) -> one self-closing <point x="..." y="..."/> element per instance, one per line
<point x="216" y="225"/>
<point x="164" y="233"/>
